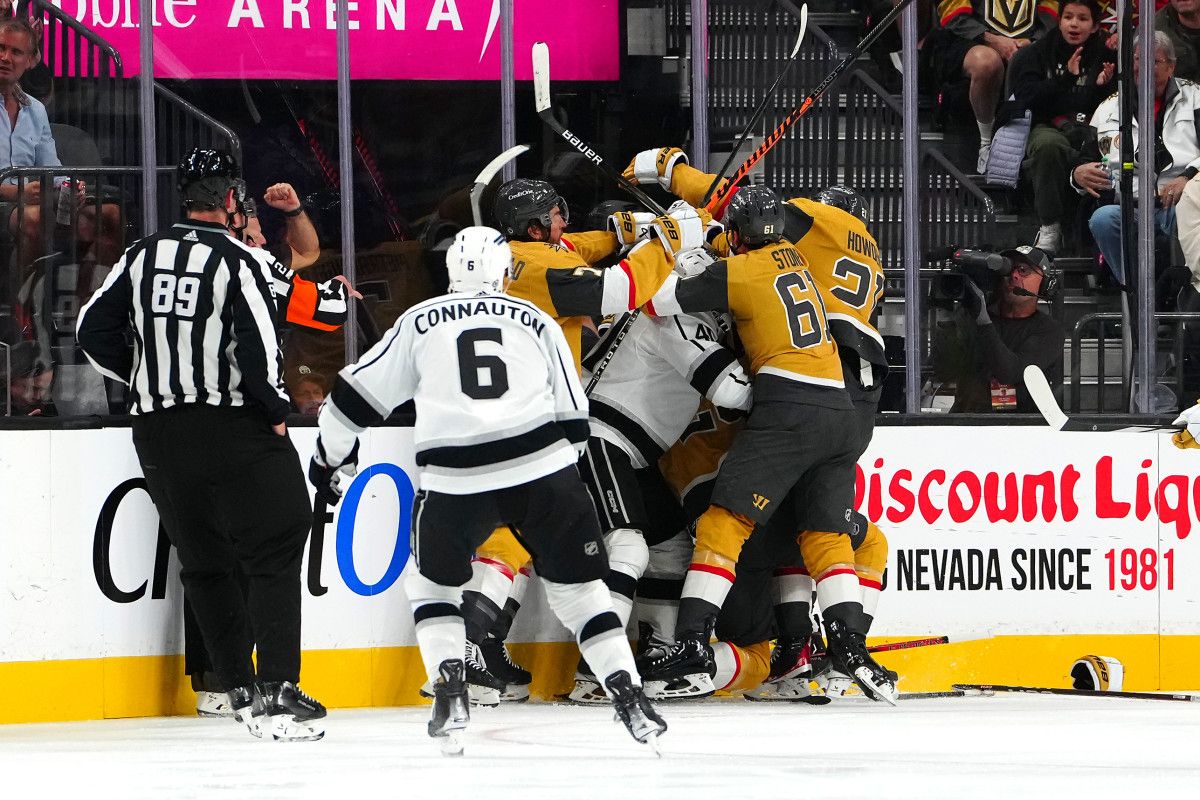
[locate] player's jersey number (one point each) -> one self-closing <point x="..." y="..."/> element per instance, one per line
<point x="800" y="302"/>
<point x="482" y="377"/>
<point x="859" y="291"/>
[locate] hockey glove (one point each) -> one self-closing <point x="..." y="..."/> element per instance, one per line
<point x="975" y="303"/>
<point x="330" y="481"/>
<point x="680" y="230"/>
<point x="1187" y="438"/>
<point x="630" y="226"/>
<point x="651" y="166"/>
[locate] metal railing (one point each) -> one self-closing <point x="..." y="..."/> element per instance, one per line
<point x="1104" y="377"/>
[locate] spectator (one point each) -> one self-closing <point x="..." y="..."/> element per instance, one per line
<point x="307" y="389"/>
<point x="30" y="382"/>
<point x="1176" y="153"/>
<point x="985" y="350"/>
<point x="1061" y="80"/>
<point x="25" y="139"/>
<point x="1180" y="20"/>
<point x="972" y="41"/>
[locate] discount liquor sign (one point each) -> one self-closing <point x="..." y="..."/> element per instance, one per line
<point x="389" y="39"/>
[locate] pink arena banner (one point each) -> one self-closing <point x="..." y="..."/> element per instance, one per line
<point x="389" y="39"/>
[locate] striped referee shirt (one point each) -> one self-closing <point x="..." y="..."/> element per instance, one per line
<point x="201" y="308"/>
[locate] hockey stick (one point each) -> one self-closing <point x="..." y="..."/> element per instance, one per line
<point x="1047" y="405"/>
<point x="485" y="177"/>
<point x="762" y="107"/>
<point x="722" y="194"/>
<point x="541" y="95"/>
<point x="906" y="645"/>
<point x="986" y="689"/>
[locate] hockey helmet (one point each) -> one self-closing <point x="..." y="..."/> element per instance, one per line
<point x="756" y="214"/>
<point x="521" y="200"/>
<point x="207" y="175"/>
<point x="846" y="199"/>
<point x="478" y="260"/>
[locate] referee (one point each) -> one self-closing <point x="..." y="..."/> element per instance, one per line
<point x="204" y="372"/>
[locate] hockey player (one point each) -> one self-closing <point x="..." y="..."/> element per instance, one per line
<point x="554" y="271"/>
<point x="497" y="445"/>
<point x="774" y="462"/>
<point x="843" y="259"/>
<point x="649" y="391"/>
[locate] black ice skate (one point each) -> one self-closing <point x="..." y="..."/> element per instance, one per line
<point x="848" y="654"/>
<point x="791" y="670"/>
<point x="451" y="711"/>
<point x="633" y="709"/>
<point x="684" y="670"/>
<point x="290" y="714"/>
<point x="246" y="706"/>
<point x="496" y="659"/>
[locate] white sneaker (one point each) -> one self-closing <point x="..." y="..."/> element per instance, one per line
<point x="213" y="704"/>
<point x="1049" y="239"/>
<point x="985" y="151"/>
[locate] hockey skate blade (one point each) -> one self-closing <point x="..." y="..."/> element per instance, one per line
<point x="587" y="693"/>
<point x="286" y="728"/>
<point x="651" y="739"/>
<point x="514" y="694"/>
<point x="863" y="676"/>
<point x="688" y="687"/>
<point x="253" y="724"/>
<point x="453" y="743"/>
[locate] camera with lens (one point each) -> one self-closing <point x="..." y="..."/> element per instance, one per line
<point x="958" y="264"/>
<point x="986" y="268"/>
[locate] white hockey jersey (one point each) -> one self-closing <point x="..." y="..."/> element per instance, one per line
<point x="497" y="396"/>
<point x="653" y="385"/>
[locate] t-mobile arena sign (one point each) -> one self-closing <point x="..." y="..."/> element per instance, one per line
<point x="389" y="39"/>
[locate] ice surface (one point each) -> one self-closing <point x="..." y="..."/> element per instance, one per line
<point x="999" y="747"/>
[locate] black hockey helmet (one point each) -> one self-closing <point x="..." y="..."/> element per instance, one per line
<point x="206" y="176"/>
<point x="756" y="213"/>
<point x="846" y="199"/>
<point x="521" y="200"/>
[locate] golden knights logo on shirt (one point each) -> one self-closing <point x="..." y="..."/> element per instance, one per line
<point x="1010" y="17"/>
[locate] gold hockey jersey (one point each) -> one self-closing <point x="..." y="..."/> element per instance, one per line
<point x="780" y="319"/>
<point x="560" y="279"/>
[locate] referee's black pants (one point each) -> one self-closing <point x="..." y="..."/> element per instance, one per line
<point x="231" y="493"/>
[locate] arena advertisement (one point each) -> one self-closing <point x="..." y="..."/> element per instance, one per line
<point x="389" y="39"/>
<point x="1000" y="537"/>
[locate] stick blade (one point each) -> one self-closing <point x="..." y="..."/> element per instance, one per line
<point x="1043" y="396"/>
<point x="803" y="29"/>
<point x="541" y="76"/>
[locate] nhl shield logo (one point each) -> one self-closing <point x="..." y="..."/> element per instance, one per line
<point x="591" y="548"/>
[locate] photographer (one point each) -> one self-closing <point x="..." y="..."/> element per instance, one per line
<point x="985" y="349"/>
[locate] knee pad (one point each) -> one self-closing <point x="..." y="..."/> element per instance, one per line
<point x="670" y="559"/>
<point x="721" y="533"/>
<point x="627" y="551"/>
<point x="422" y="590"/>
<point x="576" y="603"/>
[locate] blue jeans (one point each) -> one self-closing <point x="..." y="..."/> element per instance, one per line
<point x="1106" y="229"/>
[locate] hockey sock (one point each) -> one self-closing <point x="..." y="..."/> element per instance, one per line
<point x="516" y="596"/>
<point x="486" y="592"/>
<point x="793" y="602"/>
<point x="586" y="610"/>
<point x="662" y="584"/>
<point x="720" y="534"/>
<point x="627" y="560"/>
<point x="830" y="559"/>
<point x="870" y="560"/>
<point x="741" y="668"/>
<point x="438" y="620"/>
